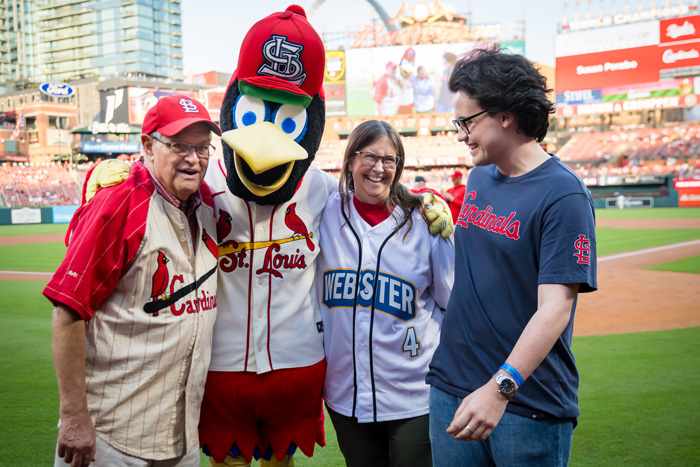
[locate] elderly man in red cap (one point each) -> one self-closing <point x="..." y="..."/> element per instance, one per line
<point x="135" y="303"/>
<point x="455" y="194"/>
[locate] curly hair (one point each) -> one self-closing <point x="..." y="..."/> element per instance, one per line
<point x="365" y="134"/>
<point x="501" y="81"/>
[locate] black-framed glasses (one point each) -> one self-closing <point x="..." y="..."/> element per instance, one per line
<point x="203" y="151"/>
<point x="370" y="159"/>
<point x="461" y="123"/>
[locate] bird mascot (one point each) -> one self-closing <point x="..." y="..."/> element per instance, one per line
<point x="263" y="396"/>
<point x="263" y="392"/>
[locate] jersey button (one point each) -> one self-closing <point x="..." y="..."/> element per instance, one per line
<point x="363" y="347"/>
<point x="364" y="375"/>
<point x="261" y="231"/>
<point x="259" y="315"/>
<point x="182" y="239"/>
<point x="261" y="281"/>
<point x="259" y="349"/>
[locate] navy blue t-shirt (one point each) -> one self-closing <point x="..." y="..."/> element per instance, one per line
<point x="513" y="234"/>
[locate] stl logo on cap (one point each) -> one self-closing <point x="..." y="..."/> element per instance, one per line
<point x="285" y="57"/>
<point x="188" y="106"/>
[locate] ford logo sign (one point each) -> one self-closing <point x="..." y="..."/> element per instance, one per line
<point x="56" y="89"/>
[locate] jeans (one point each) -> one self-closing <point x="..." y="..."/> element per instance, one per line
<point x="516" y="440"/>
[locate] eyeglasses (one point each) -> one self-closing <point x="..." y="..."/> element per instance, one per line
<point x="461" y="123"/>
<point x="203" y="151"/>
<point x="370" y="159"/>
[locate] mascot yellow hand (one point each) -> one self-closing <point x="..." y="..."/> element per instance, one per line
<point x="106" y="173"/>
<point x="438" y="214"/>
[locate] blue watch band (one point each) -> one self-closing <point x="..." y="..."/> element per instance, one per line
<point x="510" y="369"/>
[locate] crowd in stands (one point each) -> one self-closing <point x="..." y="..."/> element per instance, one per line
<point x="51" y="184"/>
<point x="621" y="151"/>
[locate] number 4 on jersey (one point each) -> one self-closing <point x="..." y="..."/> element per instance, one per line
<point x="411" y="344"/>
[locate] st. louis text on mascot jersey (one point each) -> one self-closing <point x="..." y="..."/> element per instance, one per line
<point x="263" y="394"/>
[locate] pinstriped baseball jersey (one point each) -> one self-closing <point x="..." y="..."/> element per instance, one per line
<point x="269" y="317"/>
<point x="131" y="272"/>
<point x="380" y="336"/>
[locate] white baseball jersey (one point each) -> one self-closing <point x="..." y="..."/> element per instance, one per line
<point x="380" y="338"/>
<point x="269" y="317"/>
<point x="149" y="299"/>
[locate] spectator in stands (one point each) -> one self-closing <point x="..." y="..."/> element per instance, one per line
<point x="503" y="378"/>
<point x="418" y="183"/>
<point x="455" y="194"/>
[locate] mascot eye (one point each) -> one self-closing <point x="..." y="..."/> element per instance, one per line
<point x="249" y="111"/>
<point x="292" y="119"/>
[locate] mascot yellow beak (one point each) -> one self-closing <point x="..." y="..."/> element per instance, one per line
<point x="263" y="146"/>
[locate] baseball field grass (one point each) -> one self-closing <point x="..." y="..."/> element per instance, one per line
<point x="637" y="395"/>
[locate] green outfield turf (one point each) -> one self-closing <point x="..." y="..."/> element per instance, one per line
<point x="647" y="213"/>
<point x="689" y="265"/>
<point x="32" y="229"/>
<point x="611" y="240"/>
<point x="32" y="256"/>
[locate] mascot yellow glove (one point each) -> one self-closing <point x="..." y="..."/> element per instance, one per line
<point x="438" y="214"/>
<point x="106" y="173"/>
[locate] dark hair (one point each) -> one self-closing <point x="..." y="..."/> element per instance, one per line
<point x="501" y="81"/>
<point x="365" y="134"/>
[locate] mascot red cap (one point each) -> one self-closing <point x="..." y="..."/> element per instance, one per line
<point x="267" y="64"/>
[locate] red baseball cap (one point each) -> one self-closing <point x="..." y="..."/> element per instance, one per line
<point x="282" y="58"/>
<point x="390" y="65"/>
<point x="174" y="113"/>
<point x="457" y="174"/>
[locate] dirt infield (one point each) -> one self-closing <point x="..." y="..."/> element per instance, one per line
<point x="629" y="298"/>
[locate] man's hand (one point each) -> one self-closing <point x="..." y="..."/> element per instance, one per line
<point x="76" y="439"/>
<point x="106" y="173"/>
<point x="478" y="414"/>
<point x="438" y="214"/>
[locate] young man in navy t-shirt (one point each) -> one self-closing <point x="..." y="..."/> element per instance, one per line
<point x="504" y="384"/>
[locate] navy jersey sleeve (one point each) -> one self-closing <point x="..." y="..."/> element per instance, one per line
<point x="568" y="246"/>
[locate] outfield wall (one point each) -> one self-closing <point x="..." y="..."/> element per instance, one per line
<point x="654" y="191"/>
<point x="50" y="215"/>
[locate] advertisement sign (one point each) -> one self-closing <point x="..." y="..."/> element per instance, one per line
<point x="26" y="216"/>
<point x="679" y="29"/>
<point x="669" y="102"/>
<point x="56" y="89"/>
<point x="126" y="147"/>
<point x="688" y="192"/>
<point x="213" y="98"/>
<point x="334" y="83"/>
<point x="142" y="99"/>
<point x="63" y="214"/>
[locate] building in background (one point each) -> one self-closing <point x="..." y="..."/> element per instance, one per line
<point x="49" y="40"/>
<point x="81" y="45"/>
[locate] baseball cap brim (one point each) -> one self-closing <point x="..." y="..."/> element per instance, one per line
<point x="274" y="89"/>
<point x="178" y="125"/>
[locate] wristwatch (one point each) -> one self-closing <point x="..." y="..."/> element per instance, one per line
<point x="506" y="384"/>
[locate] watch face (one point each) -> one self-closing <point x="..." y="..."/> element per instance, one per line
<point x="506" y="386"/>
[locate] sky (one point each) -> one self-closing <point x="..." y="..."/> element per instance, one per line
<point x="214" y="29"/>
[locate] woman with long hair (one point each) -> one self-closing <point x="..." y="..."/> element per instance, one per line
<point x="384" y="283"/>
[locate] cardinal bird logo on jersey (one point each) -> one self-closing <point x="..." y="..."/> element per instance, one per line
<point x="161" y="278"/>
<point x="210" y="243"/>
<point x="223" y="225"/>
<point x="297" y="226"/>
